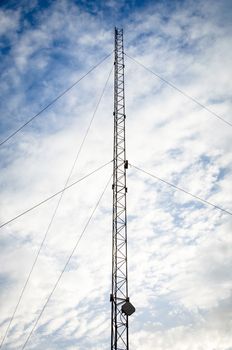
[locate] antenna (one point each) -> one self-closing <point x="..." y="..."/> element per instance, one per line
<point x="121" y="307"/>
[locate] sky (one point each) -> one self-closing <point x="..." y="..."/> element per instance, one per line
<point x="179" y="249"/>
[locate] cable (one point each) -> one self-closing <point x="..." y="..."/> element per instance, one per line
<point x="181" y="91"/>
<point x="66" y="264"/>
<point x="182" y="190"/>
<point x="55" y="211"/>
<point x="54" y="195"/>
<point x="53" y="101"/>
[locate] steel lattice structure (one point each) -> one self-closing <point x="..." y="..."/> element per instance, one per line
<point x="121" y="308"/>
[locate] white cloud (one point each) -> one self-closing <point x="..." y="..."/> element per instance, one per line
<point x="7" y="25"/>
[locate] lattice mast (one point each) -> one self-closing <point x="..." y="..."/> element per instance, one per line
<point x="121" y="308"/>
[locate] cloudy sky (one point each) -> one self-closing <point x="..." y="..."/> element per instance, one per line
<point x="179" y="249"/>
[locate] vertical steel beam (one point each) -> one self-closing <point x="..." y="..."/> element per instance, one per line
<point x="119" y="297"/>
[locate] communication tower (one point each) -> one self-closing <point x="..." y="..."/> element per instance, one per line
<point x="121" y="307"/>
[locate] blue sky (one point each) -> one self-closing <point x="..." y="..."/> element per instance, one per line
<point x="179" y="249"/>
